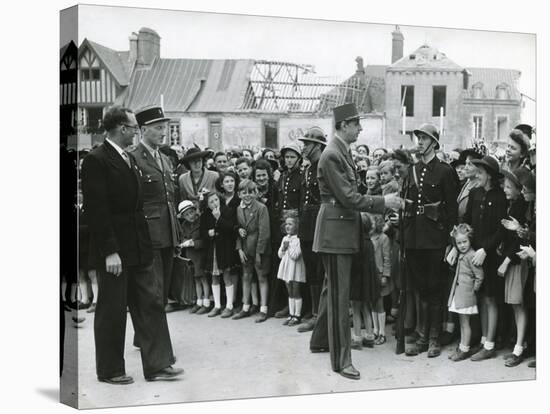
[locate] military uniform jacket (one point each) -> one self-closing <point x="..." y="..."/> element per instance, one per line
<point x="432" y="211"/>
<point x="114" y="208"/>
<point x="338" y="223"/>
<point x="310" y="202"/>
<point x="290" y="185"/>
<point x="158" y="198"/>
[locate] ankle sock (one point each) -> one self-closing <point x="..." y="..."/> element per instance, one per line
<point x="263" y="309"/>
<point x="199" y="302"/>
<point x="489" y="345"/>
<point x="246" y="308"/>
<point x="464" y="348"/>
<point x="483" y="339"/>
<point x="206" y="303"/>
<point x="518" y="350"/>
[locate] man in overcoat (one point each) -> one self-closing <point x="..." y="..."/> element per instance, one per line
<point x="159" y="203"/>
<point x="119" y="236"/>
<point x="430" y="193"/>
<point x="337" y="237"/>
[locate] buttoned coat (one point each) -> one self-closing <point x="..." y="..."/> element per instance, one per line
<point x="255" y="220"/>
<point x="114" y="208"/>
<point x="189" y="191"/>
<point x="436" y="183"/>
<point x="159" y="192"/>
<point x="338" y="223"/>
<point x="310" y="202"/>
<point x="467" y="281"/>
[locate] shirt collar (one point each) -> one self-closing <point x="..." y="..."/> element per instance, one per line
<point x="117" y="148"/>
<point x="346" y="144"/>
<point x="151" y="150"/>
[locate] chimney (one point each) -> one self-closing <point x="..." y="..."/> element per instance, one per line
<point x="133" y="47"/>
<point x="396" y="45"/>
<point x="148" y="46"/>
<point x="465" y="79"/>
<point x="360" y="66"/>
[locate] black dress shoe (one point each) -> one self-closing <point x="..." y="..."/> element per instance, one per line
<point x="283" y="313"/>
<point x="317" y="350"/>
<point x="168" y="373"/>
<point x="350" y="372"/>
<point x="120" y="380"/>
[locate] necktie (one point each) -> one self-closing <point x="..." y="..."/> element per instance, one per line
<point x="126" y="159"/>
<point x="157" y="159"/>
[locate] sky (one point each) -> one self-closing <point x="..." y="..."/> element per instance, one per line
<point x="330" y="46"/>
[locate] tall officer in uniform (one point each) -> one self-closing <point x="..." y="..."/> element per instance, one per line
<point x="120" y="239"/>
<point x="315" y="142"/>
<point x="337" y="237"/>
<point x="158" y="198"/>
<point x="430" y="193"/>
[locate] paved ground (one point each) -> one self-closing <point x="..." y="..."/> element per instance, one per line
<point x="227" y="359"/>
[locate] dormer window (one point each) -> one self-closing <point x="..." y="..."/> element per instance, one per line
<point x="477" y="91"/>
<point x="502" y="91"/>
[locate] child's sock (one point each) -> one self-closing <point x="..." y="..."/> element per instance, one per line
<point x="375" y="326"/>
<point x="366" y="335"/>
<point x="246" y="308"/>
<point x="206" y="303"/>
<point x="463" y="348"/>
<point x="382" y="323"/>
<point x="298" y="307"/>
<point x="518" y="350"/>
<point x="489" y="345"/>
<point x="263" y="309"/>
<point x="216" y="291"/>
<point x="483" y="339"/>
<point x="199" y="302"/>
<point x="229" y="295"/>
<point x="291" y="306"/>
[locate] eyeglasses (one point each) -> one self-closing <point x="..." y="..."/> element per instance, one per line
<point x="135" y="128"/>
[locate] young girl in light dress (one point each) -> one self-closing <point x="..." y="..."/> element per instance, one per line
<point x="292" y="270"/>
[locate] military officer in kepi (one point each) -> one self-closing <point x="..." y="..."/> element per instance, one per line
<point x="430" y="193"/>
<point x="158" y="199"/>
<point x="337" y="235"/>
<point x="315" y="142"/>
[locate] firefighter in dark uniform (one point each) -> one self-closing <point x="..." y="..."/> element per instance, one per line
<point x="290" y="189"/>
<point x="430" y="192"/>
<point x="158" y="198"/>
<point x="315" y="142"/>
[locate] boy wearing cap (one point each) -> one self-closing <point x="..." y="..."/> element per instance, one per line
<point x="193" y="249"/>
<point x="159" y="200"/>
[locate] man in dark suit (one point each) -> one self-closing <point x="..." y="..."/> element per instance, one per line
<point x="158" y="200"/>
<point x="337" y="232"/>
<point x="122" y="248"/>
<point x="430" y="191"/>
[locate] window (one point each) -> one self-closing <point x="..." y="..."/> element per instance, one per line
<point x="175" y="134"/>
<point x="502" y="91"/>
<point x="407" y="99"/>
<point x="477" y="90"/>
<point x="90" y="74"/>
<point x="478" y="126"/>
<point x="271" y="134"/>
<point x="439" y="100"/>
<point x="502" y="128"/>
<point x="410" y="133"/>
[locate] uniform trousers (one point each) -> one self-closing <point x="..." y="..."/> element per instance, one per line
<point x="333" y="320"/>
<point x="163" y="266"/>
<point x="314" y="275"/>
<point x="428" y="274"/>
<point x="136" y="288"/>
